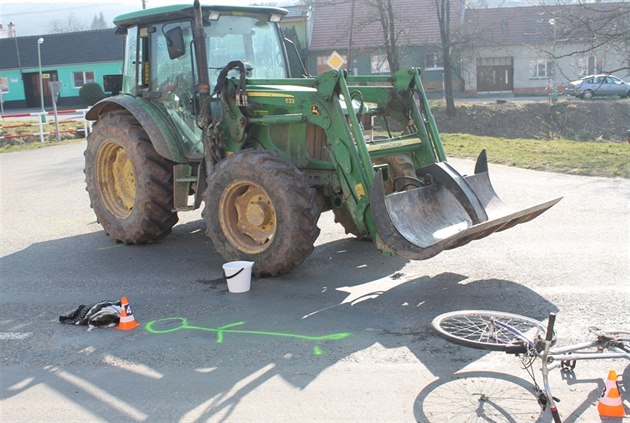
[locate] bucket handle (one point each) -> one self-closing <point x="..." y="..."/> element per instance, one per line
<point x="231" y="276"/>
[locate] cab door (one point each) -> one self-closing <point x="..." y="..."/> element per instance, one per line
<point x="173" y="80"/>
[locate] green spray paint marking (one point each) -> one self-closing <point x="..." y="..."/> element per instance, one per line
<point x="222" y="330"/>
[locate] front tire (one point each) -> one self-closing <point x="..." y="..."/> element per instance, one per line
<point x="259" y="207"/>
<point x="130" y="185"/>
<point x="588" y="94"/>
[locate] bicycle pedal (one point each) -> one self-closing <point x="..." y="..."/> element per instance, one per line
<point x="568" y="365"/>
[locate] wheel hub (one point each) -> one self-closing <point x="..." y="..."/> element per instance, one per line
<point x="116" y="179"/>
<point x="248" y="217"/>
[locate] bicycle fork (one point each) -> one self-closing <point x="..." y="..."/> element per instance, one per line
<point x="545" y="369"/>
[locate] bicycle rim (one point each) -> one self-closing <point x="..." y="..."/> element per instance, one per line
<point x="479" y="329"/>
<point x="482" y="397"/>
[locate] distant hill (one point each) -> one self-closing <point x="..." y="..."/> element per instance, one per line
<point x="38" y="18"/>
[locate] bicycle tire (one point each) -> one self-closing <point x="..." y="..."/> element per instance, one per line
<point x="478" y="397"/>
<point x="474" y="329"/>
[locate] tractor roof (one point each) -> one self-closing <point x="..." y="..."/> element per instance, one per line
<point x="178" y="11"/>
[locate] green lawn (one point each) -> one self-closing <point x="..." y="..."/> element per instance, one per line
<point x="563" y="156"/>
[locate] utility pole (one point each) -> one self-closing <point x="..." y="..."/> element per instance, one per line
<point x="350" y="38"/>
<point x="40" y="41"/>
<point x="13" y="33"/>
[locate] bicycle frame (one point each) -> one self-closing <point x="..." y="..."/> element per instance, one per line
<point x="554" y="357"/>
<point x="557" y="355"/>
<point x="518" y="333"/>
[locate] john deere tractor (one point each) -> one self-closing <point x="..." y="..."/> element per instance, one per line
<point x="213" y="111"/>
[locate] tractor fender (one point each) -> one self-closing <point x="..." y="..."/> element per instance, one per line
<point x="163" y="136"/>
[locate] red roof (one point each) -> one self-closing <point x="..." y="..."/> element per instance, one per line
<point x="532" y="24"/>
<point x="416" y="23"/>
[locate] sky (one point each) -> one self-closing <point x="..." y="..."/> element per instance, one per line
<point x="35" y="17"/>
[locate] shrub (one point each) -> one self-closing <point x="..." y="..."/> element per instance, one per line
<point x="91" y="93"/>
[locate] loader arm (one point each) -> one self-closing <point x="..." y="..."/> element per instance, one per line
<point x="440" y="209"/>
<point x="445" y="209"/>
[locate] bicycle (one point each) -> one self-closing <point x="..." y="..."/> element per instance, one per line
<point x="530" y="340"/>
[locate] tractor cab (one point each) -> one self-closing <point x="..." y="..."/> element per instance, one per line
<point x="165" y="65"/>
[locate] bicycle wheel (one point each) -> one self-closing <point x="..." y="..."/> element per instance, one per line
<point x="489" y="330"/>
<point x="478" y="396"/>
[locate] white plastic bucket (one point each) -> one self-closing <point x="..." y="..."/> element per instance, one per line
<point x="238" y="275"/>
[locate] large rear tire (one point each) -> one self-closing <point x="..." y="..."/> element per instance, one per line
<point x="259" y="207"/>
<point x="130" y="185"/>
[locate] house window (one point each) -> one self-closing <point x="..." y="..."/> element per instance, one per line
<point x="590" y="65"/>
<point x="433" y="61"/>
<point x="540" y="68"/>
<point x="82" y="78"/>
<point x="380" y="64"/>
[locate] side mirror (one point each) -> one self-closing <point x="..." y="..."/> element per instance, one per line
<point x="175" y="42"/>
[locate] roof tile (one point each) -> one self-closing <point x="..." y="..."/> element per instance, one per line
<point x="62" y="48"/>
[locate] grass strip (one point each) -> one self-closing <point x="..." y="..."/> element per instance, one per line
<point x="597" y="158"/>
<point x="608" y="159"/>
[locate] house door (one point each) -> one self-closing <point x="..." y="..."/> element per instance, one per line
<point x="31" y="88"/>
<point x="495" y="74"/>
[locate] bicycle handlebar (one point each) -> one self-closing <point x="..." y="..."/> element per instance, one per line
<point x="550" y="324"/>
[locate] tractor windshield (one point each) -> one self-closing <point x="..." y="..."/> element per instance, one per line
<point x="251" y="39"/>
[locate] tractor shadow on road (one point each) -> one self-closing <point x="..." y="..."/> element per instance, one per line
<point x="287" y="326"/>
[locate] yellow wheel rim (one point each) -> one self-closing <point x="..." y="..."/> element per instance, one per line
<point x="116" y="179"/>
<point x="247" y="216"/>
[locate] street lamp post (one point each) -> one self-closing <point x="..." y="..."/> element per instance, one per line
<point x="40" y="41"/>
<point x="553" y="93"/>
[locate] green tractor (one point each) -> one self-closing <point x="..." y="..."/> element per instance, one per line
<point x="212" y="110"/>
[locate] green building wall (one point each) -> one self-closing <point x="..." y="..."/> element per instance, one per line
<point x="22" y="85"/>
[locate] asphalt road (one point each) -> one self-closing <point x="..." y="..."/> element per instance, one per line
<point x="346" y="337"/>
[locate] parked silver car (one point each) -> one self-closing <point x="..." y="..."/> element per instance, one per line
<point x="598" y="85"/>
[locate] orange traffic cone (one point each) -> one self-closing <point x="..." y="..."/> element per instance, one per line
<point x="127" y="321"/>
<point x="610" y="403"/>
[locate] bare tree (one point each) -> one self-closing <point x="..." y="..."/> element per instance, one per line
<point x="443" y="8"/>
<point x="390" y="35"/>
<point x="68" y="24"/>
<point x="373" y="14"/>
<point x="590" y="29"/>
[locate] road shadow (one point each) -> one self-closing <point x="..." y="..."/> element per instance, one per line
<point x="284" y="332"/>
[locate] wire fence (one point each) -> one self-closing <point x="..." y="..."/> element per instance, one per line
<point x="17" y="125"/>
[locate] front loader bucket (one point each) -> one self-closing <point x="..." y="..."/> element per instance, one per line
<point x="449" y="212"/>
